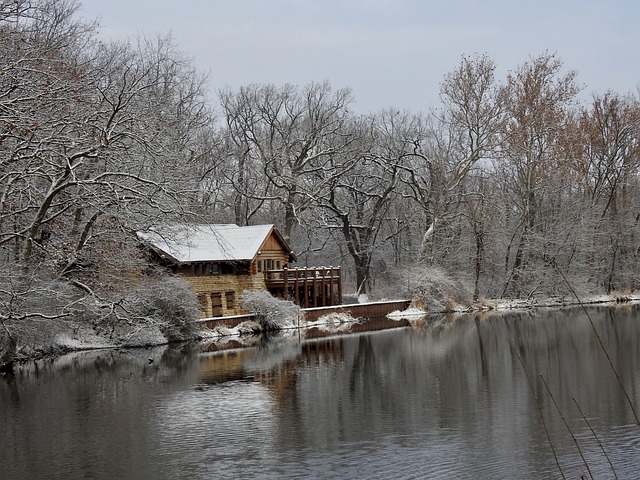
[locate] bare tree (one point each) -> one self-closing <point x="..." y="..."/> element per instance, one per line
<point x="462" y="133"/>
<point x="105" y="137"/>
<point x="288" y="135"/>
<point x="96" y="140"/>
<point x="357" y="203"/>
<point x="537" y="96"/>
<point x="607" y="164"/>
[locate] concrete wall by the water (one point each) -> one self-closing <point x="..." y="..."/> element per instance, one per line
<point x="370" y="309"/>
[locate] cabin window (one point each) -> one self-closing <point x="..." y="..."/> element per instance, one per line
<point x="231" y="300"/>
<point x="216" y="304"/>
<point x="277" y="264"/>
<point x="268" y="264"/>
<point x="259" y="266"/>
<point x="213" y="269"/>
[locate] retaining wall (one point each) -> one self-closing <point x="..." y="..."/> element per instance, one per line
<point x="370" y="309"/>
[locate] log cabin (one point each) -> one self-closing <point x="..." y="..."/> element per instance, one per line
<point x="220" y="261"/>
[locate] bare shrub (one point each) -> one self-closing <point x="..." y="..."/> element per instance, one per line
<point x="40" y="315"/>
<point x="272" y="313"/>
<point x="169" y="304"/>
<point x="432" y="289"/>
<point x="33" y="311"/>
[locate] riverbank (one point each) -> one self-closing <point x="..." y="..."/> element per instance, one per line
<point x="77" y="337"/>
<point x="486" y="305"/>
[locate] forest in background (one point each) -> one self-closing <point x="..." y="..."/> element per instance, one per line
<point x="508" y="185"/>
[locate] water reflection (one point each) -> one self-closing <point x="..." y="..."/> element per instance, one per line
<point x="445" y="399"/>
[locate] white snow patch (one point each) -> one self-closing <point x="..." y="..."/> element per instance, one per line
<point x="408" y="314"/>
<point x="86" y="342"/>
<point x="333" y="321"/>
<point x="363" y="298"/>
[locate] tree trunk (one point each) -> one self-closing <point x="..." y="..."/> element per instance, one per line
<point x="478" y="264"/>
<point x="8" y="347"/>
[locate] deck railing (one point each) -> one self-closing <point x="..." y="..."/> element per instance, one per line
<point x="307" y="287"/>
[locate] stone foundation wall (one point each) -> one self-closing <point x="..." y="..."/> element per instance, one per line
<point x="228" y="288"/>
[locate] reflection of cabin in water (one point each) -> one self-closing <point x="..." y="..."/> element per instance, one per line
<point x="221" y="261"/>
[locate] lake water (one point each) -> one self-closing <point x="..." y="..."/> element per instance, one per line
<point x="445" y="399"/>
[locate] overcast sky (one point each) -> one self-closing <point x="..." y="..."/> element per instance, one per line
<point x="391" y="53"/>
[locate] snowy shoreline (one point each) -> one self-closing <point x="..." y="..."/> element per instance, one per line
<point x="86" y="340"/>
<point x="502" y="305"/>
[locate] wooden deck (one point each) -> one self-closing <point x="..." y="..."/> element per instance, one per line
<point x="307" y="287"/>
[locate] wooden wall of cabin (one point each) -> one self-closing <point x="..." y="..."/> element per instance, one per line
<point x="270" y="260"/>
<point x="272" y="256"/>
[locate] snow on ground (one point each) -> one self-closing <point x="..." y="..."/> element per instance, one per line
<point x="414" y="314"/>
<point x="332" y="322"/>
<point x="75" y="342"/>
<point x="410" y="313"/>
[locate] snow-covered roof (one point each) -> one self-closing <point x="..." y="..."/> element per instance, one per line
<point x="209" y="243"/>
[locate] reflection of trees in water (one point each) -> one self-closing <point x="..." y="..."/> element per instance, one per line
<point x="460" y="374"/>
<point x="103" y="397"/>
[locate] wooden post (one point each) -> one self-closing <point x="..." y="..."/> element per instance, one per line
<point x="306" y="288"/>
<point x="323" y="282"/>
<point x="285" y="273"/>
<point x="314" y="288"/>
<point x="296" y="286"/>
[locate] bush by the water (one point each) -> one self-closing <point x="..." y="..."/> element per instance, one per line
<point x="272" y="313"/>
<point x="168" y="306"/>
<point x="433" y="290"/>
